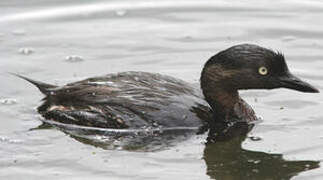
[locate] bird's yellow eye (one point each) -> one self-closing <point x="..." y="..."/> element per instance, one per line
<point x="263" y="70"/>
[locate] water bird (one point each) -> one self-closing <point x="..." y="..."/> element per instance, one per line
<point x="135" y="100"/>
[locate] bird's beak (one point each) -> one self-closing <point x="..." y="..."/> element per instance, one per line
<point x="292" y="82"/>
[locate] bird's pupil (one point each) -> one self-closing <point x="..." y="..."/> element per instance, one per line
<point x="263" y="70"/>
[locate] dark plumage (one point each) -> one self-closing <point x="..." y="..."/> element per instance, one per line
<point x="140" y="99"/>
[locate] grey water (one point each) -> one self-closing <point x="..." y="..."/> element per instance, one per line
<point x="60" y="41"/>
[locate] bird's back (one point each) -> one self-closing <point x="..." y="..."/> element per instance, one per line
<point x="127" y="100"/>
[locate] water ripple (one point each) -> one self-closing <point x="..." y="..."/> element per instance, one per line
<point x="140" y="5"/>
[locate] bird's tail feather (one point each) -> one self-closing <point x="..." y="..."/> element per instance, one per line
<point x="43" y="87"/>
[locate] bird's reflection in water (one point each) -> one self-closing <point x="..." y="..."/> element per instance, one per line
<point x="227" y="160"/>
<point x="149" y="139"/>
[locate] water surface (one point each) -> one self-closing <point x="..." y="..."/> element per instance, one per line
<point x="62" y="41"/>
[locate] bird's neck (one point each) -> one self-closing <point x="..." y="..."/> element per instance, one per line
<point x="222" y="102"/>
<point x="225" y="102"/>
<point x="232" y="116"/>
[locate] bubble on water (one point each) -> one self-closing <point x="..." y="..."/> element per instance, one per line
<point x="121" y="12"/>
<point x="8" y="101"/>
<point x="74" y="58"/>
<point x="19" y="32"/>
<point x="26" y="51"/>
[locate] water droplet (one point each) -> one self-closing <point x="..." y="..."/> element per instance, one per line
<point x="136" y="78"/>
<point x="19" y="32"/>
<point x="121" y="12"/>
<point x="74" y="58"/>
<point x="307" y="166"/>
<point x="26" y="51"/>
<point x="93" y="93"/>
<point x="8" y="101"/>
<point x="255" y="170"/>
<point x="257" y="161"/>
<point x="255" y="138"/>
